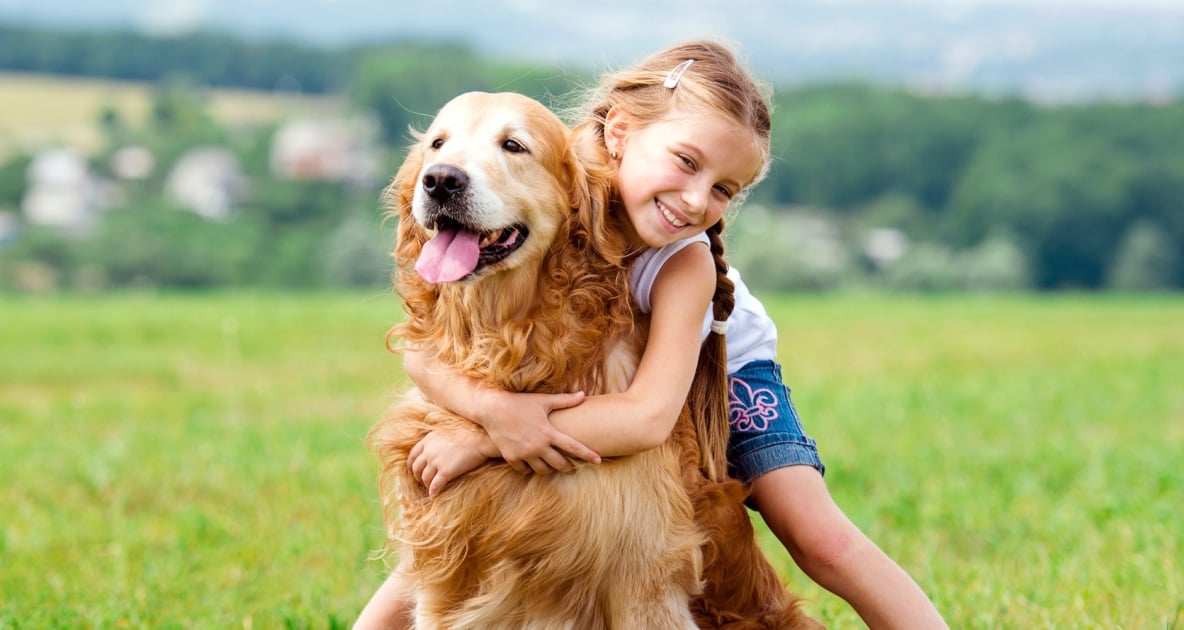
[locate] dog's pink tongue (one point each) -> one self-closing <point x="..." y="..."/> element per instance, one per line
<point x="449" y="256"/>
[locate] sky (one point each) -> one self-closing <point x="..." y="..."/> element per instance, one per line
<point x="332" y="21"/>
<point x="1059" y="48"/>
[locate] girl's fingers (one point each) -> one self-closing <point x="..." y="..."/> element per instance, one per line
<point x="540" y="466"/>
<point x="429" y="474"/>
<point x="558" y="461"/>
<point x="519" y="466"/>
<point x="563" y="401"/>
<point x="438" y="483"/>
<point x="576" y="449"/>
<point x="417" y="466"/>
<point x="413" y="456"/>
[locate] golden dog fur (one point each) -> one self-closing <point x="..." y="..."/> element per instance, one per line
<point x="617" y="545"/>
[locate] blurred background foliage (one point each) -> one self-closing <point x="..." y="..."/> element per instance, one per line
<point x="870" y="186"/>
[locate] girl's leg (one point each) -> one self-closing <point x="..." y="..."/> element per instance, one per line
<point x="833" y="552"/>
<point x="391" y="606"/>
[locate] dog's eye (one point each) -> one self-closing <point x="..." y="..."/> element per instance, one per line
<point x="437" y="143"/>
<point x="513" y="146"/>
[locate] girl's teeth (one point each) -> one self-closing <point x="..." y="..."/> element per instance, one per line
<point x="671" y="218"/>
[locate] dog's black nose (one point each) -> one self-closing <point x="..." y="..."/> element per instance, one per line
<point x="442" y="181"/>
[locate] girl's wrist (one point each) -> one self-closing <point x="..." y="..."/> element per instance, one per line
<point x="486" y="448"/>
<point x="486" y="398"/>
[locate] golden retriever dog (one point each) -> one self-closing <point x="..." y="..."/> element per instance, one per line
<point x="510" y="274"/>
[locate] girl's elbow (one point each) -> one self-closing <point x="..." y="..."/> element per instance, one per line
<point x="655" y="430"/>
<point x="413" y="365"/>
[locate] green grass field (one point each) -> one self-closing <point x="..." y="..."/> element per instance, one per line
<point x="197" y="461"/>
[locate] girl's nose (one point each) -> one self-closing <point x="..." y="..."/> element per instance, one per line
<point x="696" y="199"/>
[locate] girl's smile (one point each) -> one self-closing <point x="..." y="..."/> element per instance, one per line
<point x="671" y="218"/>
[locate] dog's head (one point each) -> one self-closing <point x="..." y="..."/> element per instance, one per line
<point x="486" y="189"/>
<point x="505" y="239"/>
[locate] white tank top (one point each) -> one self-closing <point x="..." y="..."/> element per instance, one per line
<point x="751" y="333"/>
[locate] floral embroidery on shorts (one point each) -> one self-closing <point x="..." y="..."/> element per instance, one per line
<point x="750" y="409"/>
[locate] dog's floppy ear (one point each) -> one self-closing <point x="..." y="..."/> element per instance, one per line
<point x="399" y="193"/>
<point x="397" y="199"/>
<point x="588" y="192"/>
<point x="579" y="193"/>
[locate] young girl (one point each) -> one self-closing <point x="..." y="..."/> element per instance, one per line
<point x="685" y="134"/>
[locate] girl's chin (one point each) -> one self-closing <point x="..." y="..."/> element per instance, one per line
<point x="662" y="234"/>
<point x="664" y="230"/>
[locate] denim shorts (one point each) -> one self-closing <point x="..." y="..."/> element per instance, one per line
<point x="766" y="433"/>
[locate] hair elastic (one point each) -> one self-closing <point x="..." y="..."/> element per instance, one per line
<point x="719" y="326"/>
<point x="676" y="74"/>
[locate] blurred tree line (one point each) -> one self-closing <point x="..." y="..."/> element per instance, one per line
<point x="968" y="193"/>
<point x="206" y="58"/>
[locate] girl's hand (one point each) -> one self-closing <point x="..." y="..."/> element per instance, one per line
<point x="518" y="426"/>
<point x="517" y="423"/>
<point x="442" y="456"/>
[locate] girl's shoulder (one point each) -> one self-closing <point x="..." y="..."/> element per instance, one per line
<point x="645" y="268"/>
<point x="657" y="256"/>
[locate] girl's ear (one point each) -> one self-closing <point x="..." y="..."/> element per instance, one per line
<point x="616" y="126"/>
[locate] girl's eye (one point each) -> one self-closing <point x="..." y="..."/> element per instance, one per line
<point x="723" y="190"/>
<point x="437" y="143"/>
<point x="688" y="162"/>
<point x="513" y="146"/>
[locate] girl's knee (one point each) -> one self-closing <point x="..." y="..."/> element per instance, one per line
<point x="797" y="507"/>
<point x="827" y="549"/>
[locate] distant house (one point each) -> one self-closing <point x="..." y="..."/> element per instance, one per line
<point x="132" y="163"/>
<point x="331" y="149"/>
<point x="62" y="192"/>
<point x="208" y="180"/>
<point x="884" y="246"/>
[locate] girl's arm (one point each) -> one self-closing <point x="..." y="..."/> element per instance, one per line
<point x="516" y="423"/>
<point x="643" y="416"/>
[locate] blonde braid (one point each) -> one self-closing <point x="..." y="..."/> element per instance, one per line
<point x="709" y="390"/>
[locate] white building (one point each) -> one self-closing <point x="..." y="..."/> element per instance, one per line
<point x="62" y="192"/>
<point x="331" y="149"/>
<point x="207" y="180"/>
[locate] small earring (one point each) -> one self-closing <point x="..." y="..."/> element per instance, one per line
<point x="614" y="155"/>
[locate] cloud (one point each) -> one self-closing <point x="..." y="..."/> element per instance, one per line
<point x="171" y="17"/>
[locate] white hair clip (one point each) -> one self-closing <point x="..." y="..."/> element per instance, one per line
<point x="719" y="326"/>
<point x="676" y="74"/>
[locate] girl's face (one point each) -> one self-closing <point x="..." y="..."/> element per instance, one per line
<point x="677" y="175"/>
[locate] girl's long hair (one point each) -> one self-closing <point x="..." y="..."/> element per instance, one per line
<point x="715" y="81"/>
